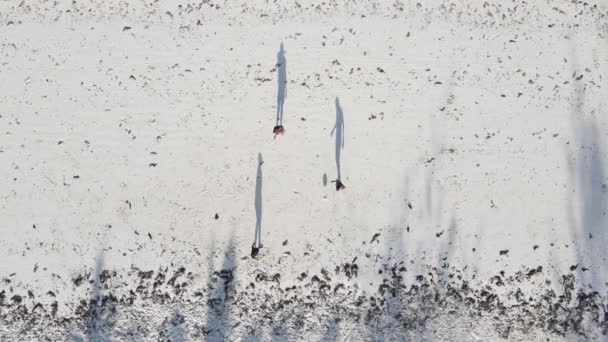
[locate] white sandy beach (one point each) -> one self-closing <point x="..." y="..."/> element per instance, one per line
<point x="474" y="152"/>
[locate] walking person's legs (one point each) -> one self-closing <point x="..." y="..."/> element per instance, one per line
<point x="278" y="129"/>
<point x="339" y="185"/>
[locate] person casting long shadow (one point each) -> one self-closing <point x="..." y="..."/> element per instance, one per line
<point x="257" y="242"/>
<point x="339" y="129"/>
<point x="282" y="90"/>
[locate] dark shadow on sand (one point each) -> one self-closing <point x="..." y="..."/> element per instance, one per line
<point x="339" y="130"/>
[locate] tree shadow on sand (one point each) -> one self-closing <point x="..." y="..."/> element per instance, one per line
<point x="176" y="330"/>
<point x="98" y="312"/>
<point x="413" y="306"/>
<point x="221" y="286"/>
<point x="588" y="204"/>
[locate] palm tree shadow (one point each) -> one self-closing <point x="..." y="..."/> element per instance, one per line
<point x="445" y="256"/>
<point x="279" y="334"/>
<point x="413" y="305"/>
<point x="94" y="324"/>
<point x="332" y="330"/>
<point x="93" y="317"/>
<point x="339" y="130"/>
<point x="257" y="242"/>
<point x="394" y="288"/>
<point x="176" y="331"/>
<point x="221" y="291"/>
<point x="587" y="208"/>
<point x="281" y="89"/>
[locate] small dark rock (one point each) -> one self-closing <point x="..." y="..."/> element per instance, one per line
<point x="145" y="275"/>
<point x="534" y="271"/>
<point x="54" y="307"/>
<point x="78" y="280"/>
<point x="375" y="238"/>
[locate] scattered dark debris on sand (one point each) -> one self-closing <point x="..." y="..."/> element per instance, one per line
<point x="259" y="299"/>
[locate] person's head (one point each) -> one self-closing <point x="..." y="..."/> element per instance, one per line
<point x="260" y="161"/>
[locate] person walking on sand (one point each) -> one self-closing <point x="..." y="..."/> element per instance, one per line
<point x="282" y="91"/>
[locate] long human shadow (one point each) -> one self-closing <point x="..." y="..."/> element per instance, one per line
<point x="281" y="89"/>
<point x="339" y="130"/>
<point x="257" y="242"/>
